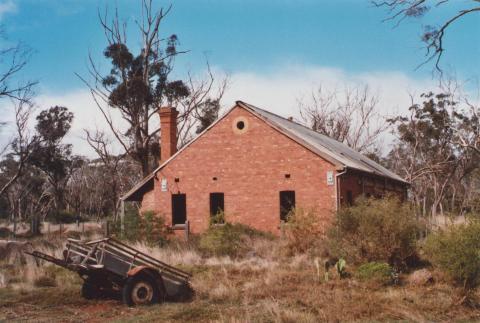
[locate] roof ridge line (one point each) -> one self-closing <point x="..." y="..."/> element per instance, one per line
<point x="356" y="157"/>
<point x="286" y="119"/>
<point x="296" y="123"/>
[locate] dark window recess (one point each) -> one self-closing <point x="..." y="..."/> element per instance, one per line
<point x="179" y="208"/>
<point x="287" y="203"/>
<point x="349" y="198"/>
<point x="217" y="204"/>
<point x="240" y="125"/>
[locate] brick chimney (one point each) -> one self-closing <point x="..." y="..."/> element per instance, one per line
<point x="168" y="132"/>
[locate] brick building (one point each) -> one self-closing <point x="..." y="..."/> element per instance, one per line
<point x="255" y="165"/>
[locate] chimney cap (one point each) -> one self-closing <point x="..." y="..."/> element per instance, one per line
<point x="167" y="111"/>
<point x="168" y="108"/>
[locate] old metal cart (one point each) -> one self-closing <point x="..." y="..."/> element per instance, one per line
<point x="108" y="266"/>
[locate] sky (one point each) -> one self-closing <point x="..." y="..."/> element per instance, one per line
<point x="274" y="52"/>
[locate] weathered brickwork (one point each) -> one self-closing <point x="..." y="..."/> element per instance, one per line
<point x="148" y="202"/>
<point x="250" y="168"/>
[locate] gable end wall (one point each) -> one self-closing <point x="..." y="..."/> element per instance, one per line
<point x="250" y="170"/>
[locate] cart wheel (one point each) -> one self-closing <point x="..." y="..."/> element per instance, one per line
<point x="90" y="290"/>
<point x="140" y="290"/>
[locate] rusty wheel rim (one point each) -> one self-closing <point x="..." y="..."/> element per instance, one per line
<point x="142" y="293"/>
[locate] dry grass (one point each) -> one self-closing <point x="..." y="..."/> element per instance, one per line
<point x="265" y="286"/>
<point x="51" y="228"/>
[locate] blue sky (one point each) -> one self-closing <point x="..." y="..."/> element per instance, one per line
<point x="241" y="36"/>
<point x="275" y="52"/>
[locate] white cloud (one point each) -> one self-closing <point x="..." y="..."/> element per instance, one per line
<point x="86" y="116"/>
<point x="280" y="90"/>
<point x="277" y="91"/>
<point x="7" y="6"/>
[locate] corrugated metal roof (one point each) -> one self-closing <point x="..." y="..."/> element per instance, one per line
<point x="328" y="148"/>
<point x="323" y="145"/>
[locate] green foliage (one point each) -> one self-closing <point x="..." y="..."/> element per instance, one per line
<point x="375" y="230"/>
<point x="341" y="267"/>
<point x="49" y="154"/>
<point x="209" y="113"/>
<point x="148" y="227"/>
<point x="52" y="157"/>
<point x="153" y="229"/>
<point x="138" y="83"/>
<point x="218" y="218"/>
<point x="378" y="272"/>
<point x="456" y="250"/>
<point x="228" y="239"/>
<point x="131" y="222"/>
<point x="126" y="81"/>
<point x="54" y="123"/>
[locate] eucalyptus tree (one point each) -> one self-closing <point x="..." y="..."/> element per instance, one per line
<point x="140" y="81"/>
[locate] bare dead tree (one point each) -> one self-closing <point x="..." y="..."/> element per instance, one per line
<point x="12" y="60"/>
<point x="191" y="109"/>
<point x="20" y="147"/>
<point x="350" y="116"/>
<point x="433" y="36"/>
<point x="139" y="85"/>
<point x="468" y="132"/>
<point x="113" y="167"/>
<point x="428" y="155"/>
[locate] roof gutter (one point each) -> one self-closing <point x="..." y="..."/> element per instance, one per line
<point x="337" y="187"/>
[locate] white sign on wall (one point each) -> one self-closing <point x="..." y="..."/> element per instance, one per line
<point x="164" y="185"/>
<point x="330" y="180"/>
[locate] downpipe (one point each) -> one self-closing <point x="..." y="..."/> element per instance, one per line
<point x="337" y="188"/>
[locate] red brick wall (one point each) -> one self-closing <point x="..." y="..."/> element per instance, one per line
<point x="148" y="202"/>
<point x="250" y="168"/>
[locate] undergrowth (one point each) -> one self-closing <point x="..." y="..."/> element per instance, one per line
<point x="228" y="239"/>
<point x="241" y="274"/>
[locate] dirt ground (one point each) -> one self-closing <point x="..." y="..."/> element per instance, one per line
<point x="263" y="286"/>
<point x="248" y="293"/>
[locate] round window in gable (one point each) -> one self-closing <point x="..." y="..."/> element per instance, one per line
<point x="240" y="125"/>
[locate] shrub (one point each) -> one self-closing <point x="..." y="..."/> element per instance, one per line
<point x="153" y="229"/>
<point x="456" y="250"/>
<point x="303" y="230"/>
<point x="228" y="239"/>
<point x="377" y="272"/>
<point x="148" y="227"/>
<point x="375" y="230"/>
<point x="218" y="218"/>
<point x="131" y="223"/>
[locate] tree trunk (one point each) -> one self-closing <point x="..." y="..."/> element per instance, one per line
<point x="145" y="166"/>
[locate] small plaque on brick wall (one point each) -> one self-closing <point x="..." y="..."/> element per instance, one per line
<point x="164" y="185"/>
<point x="330" y="178"/>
